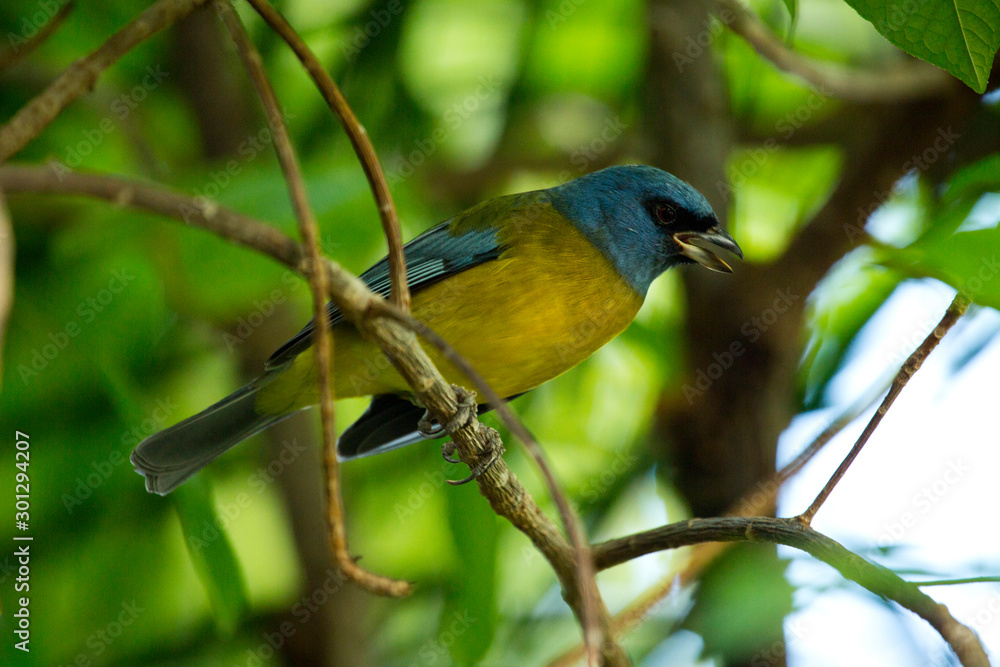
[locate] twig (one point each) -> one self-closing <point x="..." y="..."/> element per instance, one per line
<point x="963" y="580"/>
<point x="15" y="53"/>
<point x="793" y="533"/>
<point x="376" y="178"/>
<point x="585" y="565"/>
<point x="909" y="81"/>
<point x="910" y="366"/>
<point x="80" y="76"/>
<point x="6" y="271"/>
<point x="499" y="485"/>
<point x="400" y="294"/>
<point x="227" y="223"/>
<point x="318" y="284"/>
<point x="760" y="502"/>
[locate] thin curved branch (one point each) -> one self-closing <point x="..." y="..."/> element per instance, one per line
<point x="15" y="53"/>
<point x="912" y="364"/>
<point x="79" y="77"/>
<point x="793" y="533"/>
<point x="319" y="287"/>
<point x="760" y="502"/>
<point x="400" y="294"/>
<point x="909" y="81"/>
<point x="502" y="489"/>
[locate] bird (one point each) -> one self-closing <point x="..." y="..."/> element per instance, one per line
<point x="524" y="286"/>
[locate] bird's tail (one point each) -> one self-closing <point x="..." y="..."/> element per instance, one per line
<point x="168" y="458"/>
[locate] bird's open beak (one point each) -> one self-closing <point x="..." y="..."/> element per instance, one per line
<point x="705" y="253"/>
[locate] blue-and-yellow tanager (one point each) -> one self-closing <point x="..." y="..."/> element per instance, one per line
<point x="524" y="286"/>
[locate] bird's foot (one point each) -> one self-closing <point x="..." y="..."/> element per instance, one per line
<point x="465" y="412"/>
<point x="495" y="451"/>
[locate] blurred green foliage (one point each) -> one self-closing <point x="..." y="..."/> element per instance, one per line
<point x="124" y="323"/>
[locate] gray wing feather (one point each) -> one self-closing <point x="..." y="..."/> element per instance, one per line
<point x="430" y="258"/>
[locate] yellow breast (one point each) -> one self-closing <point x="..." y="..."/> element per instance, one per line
<point x="546" y="304"/>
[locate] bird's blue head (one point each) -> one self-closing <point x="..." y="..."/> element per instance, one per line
<point x="645" y="220"/>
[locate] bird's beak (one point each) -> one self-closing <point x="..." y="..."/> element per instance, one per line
<point x="715" y="237"/>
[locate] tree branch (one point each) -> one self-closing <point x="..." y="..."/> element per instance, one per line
<point x="761" y="502"/>
<point x="910" y="366"/>
<point x="376" y="178"/>
<point x="793" y="533"/>
<point x="502" y="489"/>
<point x="400" y="294"/>
<point x="80" y="76"/>
<point x="319" y="288"/>
<point x="912" y="80"/>
<point x="198" y="212"/>
<point x="15" y="53"/>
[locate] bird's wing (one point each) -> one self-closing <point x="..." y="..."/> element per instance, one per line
<point x="439" y="252"/>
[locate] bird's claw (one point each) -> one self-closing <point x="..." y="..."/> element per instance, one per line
<point x="496" y="451"/>
<point x="465" y="412"/>
<point x="447" y="449"/>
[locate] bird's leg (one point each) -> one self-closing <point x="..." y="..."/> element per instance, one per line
<point x="466" y="411"/>
<point x="496" y="450"/>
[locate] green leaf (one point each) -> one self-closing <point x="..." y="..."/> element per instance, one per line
<point x="793" y="15"/>
<point x="968" y="261"/>
<point x="959" y="36"/>
<point x="975" y="179"/>
<point x="468" y="623"/>
<point x="846" y="299"/>
<point x="211" y="553"/>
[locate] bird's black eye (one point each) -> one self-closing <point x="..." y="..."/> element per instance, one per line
<point x="665" y="213"/>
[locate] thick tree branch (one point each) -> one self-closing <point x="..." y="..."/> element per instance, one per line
<point x="761" y="502"/>
<point x="793" y="533"/>
<point x="910" y="366"/>
<point x="913" y="80"/>
<point x="499" y="485"/>
<point x="80" y="77"/>
<point x="359" y="140"/>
